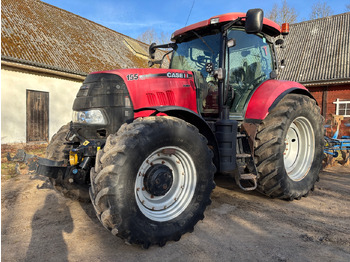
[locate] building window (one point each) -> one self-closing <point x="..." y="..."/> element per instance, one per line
<point x="342" y="107"/>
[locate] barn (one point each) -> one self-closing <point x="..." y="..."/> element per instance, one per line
<point x="46" y="52"/>
<point x="317" y="54"/>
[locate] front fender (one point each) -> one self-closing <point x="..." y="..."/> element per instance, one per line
<point x="188" y="116"/>
<point x="267" y="96"/>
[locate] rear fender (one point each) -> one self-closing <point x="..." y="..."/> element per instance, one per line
<point x="190" y="117"/>
<point x="267" y="96"/>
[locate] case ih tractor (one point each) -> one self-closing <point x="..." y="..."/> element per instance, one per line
<point x="144" y="144"/>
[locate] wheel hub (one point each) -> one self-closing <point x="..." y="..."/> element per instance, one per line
<point x="165" y="183"/>
<point x="158" y="180"/>
<point x="299" y="148"/>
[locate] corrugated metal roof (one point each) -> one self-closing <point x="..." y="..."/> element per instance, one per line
<point x="46" y="36"/>
<point x="318" y="50"/>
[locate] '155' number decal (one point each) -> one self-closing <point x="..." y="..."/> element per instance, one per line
<point x="132" y="77"/>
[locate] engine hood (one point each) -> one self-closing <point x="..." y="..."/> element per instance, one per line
<point x="149" y="87"/>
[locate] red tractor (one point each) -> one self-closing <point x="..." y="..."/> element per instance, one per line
<point x="144" y="144"/>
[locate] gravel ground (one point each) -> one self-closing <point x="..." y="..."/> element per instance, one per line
<point x="38" y="224"/>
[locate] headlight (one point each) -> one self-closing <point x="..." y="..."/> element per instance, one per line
<point x="94" y="117"/>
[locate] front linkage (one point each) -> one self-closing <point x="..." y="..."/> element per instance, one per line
<point x="80" y="156"/>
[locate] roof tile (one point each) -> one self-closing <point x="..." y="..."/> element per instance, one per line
<point x="318" y="50"/>
<point x="43" y="34"/>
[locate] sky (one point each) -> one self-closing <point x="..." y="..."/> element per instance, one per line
<point x="133" y="17"/>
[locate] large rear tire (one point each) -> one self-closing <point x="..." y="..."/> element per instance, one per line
<point x="289" y="148"/>
<point x="57" y="150"/>
<point x="152" y="181"/>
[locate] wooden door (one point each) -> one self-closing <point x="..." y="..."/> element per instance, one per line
<point x="37" y="116"/>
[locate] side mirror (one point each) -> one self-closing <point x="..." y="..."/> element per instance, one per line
<point x="152" y="50"/>
<point x="254" y="21"/>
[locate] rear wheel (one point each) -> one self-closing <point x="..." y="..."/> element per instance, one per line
<point x="57" y="150"/>
<point x="289" y="148"/>
<point x="152" y="181"/>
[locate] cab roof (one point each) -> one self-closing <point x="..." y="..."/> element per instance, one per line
<point x="269" y="27"/>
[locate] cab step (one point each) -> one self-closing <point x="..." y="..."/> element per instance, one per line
<point x="247" y="181"/>
<point x="243" y="155"/>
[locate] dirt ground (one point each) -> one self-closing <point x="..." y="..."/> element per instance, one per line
<point x="38" y="224"/>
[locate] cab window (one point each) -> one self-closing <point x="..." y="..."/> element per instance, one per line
<point x="249" y="63"/>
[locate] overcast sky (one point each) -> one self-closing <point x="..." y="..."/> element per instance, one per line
<point x="133" y="17"/>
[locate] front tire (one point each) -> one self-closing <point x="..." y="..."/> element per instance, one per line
<point x="152" y="181"/>
<point x="289" y="148"/>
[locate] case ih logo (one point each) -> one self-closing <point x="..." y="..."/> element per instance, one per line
<point x="132" y="77"/>
<point x="177" y="75"/>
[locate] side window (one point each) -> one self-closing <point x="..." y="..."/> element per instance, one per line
<point x="342" y="107"/>
<point x="249" y="63"/>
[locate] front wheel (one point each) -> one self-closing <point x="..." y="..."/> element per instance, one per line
<point x="289" y="148"/>
<point x="152" y="181"/>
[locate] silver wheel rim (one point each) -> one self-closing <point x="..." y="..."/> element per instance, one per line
<point x="299" y="149"/>
<point x="175" y="201"/>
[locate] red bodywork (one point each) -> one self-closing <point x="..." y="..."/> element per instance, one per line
<point x="270" y="26"/>
<point x="266" y="94"/>
<point x="168" y="87"/>
<point x="150" y="87"/>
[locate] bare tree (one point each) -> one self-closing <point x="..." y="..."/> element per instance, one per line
<point x="320" y="9"/>
<point x="283" y="14"/>
<point x="164" y="38"/>
<point x="151" y="36"/>
<point x="148" y="37"/>
<point x="347" y="7"/>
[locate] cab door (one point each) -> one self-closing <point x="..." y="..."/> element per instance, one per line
<point x="249" y="63"/>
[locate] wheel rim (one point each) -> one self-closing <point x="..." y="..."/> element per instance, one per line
<point x="172" y="201"/>
<point x="299" y="149"/>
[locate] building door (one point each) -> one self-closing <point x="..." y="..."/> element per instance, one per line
<point x="37" y="116"/>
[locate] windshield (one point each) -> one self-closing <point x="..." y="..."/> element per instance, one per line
<point x="194" y="54"/>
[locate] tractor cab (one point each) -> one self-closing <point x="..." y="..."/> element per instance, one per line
<point x="230" y="55"/>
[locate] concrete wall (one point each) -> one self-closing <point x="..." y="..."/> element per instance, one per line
<point x="15" y="82"/>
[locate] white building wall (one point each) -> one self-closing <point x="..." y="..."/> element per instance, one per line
<point x="13" y="102"/>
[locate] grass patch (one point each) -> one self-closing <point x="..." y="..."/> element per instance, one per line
<point x="11" y="169"/>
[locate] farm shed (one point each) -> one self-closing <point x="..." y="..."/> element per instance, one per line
<point x="46" y="52"/>
<point x="317" y="55"/>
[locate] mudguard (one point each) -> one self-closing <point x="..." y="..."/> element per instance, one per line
<point x="267" y="96"/>
<point x="190" y="117"/>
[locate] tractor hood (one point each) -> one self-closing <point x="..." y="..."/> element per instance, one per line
<point x="150" y="87"/>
